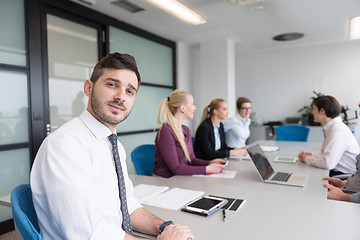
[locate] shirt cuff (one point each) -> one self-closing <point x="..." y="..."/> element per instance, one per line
<point x="355" y="198"/>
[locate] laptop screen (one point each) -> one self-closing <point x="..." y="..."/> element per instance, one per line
<point x="261" y="162"/>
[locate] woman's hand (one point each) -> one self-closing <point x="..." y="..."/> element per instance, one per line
<point x="241" y="152"/>
<point x="215" y="168"/>
<point x="218" y="160"/>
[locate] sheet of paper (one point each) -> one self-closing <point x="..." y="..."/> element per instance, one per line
<point x="246" y="157"/>
<point x="224" y="174"/>
<point x="269" y="148"/>
<point x="174" y="198"/>
<point x="144" y="192"/>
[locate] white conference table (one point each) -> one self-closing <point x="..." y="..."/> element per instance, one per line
<point x="271" y="211"/>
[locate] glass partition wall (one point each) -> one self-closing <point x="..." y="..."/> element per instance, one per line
<point x="14" y="101"/>
<point x="155" y="63"/>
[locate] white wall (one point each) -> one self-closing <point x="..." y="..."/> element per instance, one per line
<point x="281" y="82"/>
<point x="184" y="72"/>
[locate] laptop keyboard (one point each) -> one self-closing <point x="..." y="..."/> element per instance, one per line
<point x="281" y="176"/>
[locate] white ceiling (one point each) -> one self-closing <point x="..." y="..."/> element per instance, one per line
<point x="322" y="21"/>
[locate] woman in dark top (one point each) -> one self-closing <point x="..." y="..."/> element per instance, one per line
<point x="210" y="136"/>
<point x="174" y="153"/>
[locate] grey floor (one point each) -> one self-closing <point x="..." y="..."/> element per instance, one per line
<point x="8" y="236"/>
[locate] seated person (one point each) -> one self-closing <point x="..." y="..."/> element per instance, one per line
<point x="80" y="186"/>
<point x="174" y="153"/>
<point x="237" y="128"/>
<point x="210" y="136"/>
<point x="340" y="148"/>
<point x="345" y="190"/>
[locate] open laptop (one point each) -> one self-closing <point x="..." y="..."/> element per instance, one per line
<point x="267" y="173"/>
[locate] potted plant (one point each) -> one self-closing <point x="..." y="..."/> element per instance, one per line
<point x="306" y="117"/>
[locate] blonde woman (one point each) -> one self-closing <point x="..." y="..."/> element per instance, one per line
<point x="174" y="153"/>
<point x="210" y="136"/>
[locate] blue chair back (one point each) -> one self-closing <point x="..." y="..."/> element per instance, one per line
<point x="143" y="157"/>
<point x="292" y="133"/>
<point x="24" y="213"/>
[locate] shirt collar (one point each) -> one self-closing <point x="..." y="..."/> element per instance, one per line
<point x="98" y="129"/>
<point x="332" y="122"/>
<point x="240" y="119"/>
<point x="218" y="126"/>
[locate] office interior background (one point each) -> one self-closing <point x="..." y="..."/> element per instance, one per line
<point x="48" y="49"/>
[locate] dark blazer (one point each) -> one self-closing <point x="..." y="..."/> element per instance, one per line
<point x="204" y="145"/>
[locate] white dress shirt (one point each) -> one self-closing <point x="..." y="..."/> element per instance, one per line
<point x="74" y="183"/>
<point x="236" y="131"/>
<point x="339" y="149"/>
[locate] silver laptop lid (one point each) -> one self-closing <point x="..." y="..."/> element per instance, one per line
<point x="260" y="161"/>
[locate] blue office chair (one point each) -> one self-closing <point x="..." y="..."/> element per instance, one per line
<point x="24" y="213"/>
<point x="143" y="157"/>
<point x="292" y="133"/>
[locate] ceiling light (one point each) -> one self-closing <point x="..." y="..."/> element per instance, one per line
<point x="180" y="11"/>
<point x="89" y="2"/>
<point x="245" y="2"/>
<point x="128" y="6"/>
<point x="354" y="28"/>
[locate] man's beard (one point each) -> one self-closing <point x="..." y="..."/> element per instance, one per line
<point x="96" y="106"/>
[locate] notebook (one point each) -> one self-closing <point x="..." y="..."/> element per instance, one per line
<point x="267" y="173"/>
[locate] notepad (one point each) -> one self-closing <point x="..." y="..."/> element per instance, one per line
<point x="285" y="159"/>
<point x="269" y="148"/>
<point x="224" y="174"/>
<point x="144" y="192"/>
<point x="174" y="198"/>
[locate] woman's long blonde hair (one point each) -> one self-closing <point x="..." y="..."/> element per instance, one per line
<point x="165" y="115"/>
<point x="209" y="109"/>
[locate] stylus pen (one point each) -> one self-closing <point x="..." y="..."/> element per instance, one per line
<point x="224" y="214"/>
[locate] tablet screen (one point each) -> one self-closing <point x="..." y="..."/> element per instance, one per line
<point x="205" y="203"/>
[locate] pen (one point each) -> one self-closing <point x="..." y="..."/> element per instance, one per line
<point x="224" y="214"/>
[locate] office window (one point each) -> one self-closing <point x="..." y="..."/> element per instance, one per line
<point x="72" y="54"/>
<point x="155" y="63"/>
<point x="14" y="103"/>
<point x="12" y="28"/>
<point x="154" y="60"/>
<point x="14" y="170"/>
<point x="14" y="125"/>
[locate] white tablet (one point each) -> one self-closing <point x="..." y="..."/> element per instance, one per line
<point x="205" y="206"/>
<point x="285" y="159"/>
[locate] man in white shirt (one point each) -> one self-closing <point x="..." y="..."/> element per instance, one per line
<point x="340" y="148"/>
<point x="73" y="178"/>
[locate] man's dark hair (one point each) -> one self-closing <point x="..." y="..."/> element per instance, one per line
<point x="115" y="61"/>
<point x="329" y="104"/>
<point x="240" y="102"/>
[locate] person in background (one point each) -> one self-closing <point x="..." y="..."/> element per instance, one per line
<point x="79" y="182"/>
<point x="345" y="190"/>
<point x="210" y="136"/>
<point x="339" y="148"/>
<point x="237" y="128"/>
<point x="174" y="153"/>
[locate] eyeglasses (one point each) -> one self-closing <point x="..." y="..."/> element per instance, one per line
<point x="246" y="109"/>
